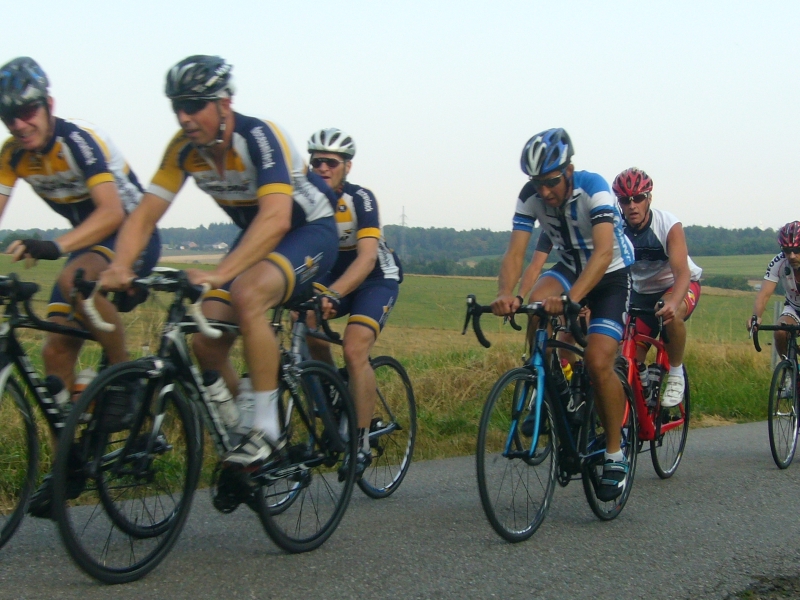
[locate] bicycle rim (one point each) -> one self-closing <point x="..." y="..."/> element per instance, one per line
<point x="19" y="454"/>
<point x="393" y="430"/>
<point x="515" y="489"/>
<point x="783" y="414"/>
<point x="122" y="498"/>
<point x="672" y="429"/>
<point x="304" y="491"/>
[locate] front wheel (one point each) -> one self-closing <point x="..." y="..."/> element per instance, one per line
<point x="672" y="429"/>
<point x="19" y="457"/>
<point x="592" y="448"/>
<point x="515" y="484"/>
<point x="393" y="430"/>
<point x="783" y="414"/>
<point x="121" y="497"/>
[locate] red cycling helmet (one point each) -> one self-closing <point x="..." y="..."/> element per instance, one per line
<point x="789" y="235"/>
<point x="632" y="182"/>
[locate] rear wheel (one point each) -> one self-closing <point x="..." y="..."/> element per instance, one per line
<point x="672" y="429"/>
<point x="393" y="430"/>
<point x="305" y="490"/>
<point x="592" y="448"/>
<point x="121" y="498"/>
<point x="783" y="414"/>
<point x="19" y="454"/>
<point x="515" y="485"/>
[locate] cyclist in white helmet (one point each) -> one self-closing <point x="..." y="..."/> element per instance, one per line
<point x="363" y="283"/>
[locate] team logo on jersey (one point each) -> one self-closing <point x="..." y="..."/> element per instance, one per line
<point x="342" y="207"/>
<point x="308" y="269"/>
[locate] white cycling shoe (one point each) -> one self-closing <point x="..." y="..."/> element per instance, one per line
<point x="673" y="393"/>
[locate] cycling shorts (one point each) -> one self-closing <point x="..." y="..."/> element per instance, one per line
<point x="790" y="311"/>
<point x="61" y="307"/>
<point x="648" y="324"/>
<point x="608" y="301"/>
<point x="370" y="304"/>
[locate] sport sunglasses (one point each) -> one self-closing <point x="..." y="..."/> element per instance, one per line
<point x="548" y="183"/>
<point x="637" y="199"/>
<point x="189" y="106"/>
<point x="331" y="163"/>
<point x="23" y="113"/>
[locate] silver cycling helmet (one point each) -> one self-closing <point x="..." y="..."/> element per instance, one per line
<point x="22" y="82"/>
<point x="200" y="77"/>
<point x="332" y="140"/>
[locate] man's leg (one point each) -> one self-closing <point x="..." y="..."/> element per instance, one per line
<point x="601" y="351"/>
<point x="676" y="334"/>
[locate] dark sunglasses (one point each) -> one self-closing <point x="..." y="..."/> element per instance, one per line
<point x="189" y="106"/>
<point x="331" y="163"/>
<point x="787" y="250"/>
<point x="637" y="199"/>
<point x="23" y="113"/>
<point x="548" y="183"/>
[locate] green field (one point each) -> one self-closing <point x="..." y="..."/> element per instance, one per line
<point x="751" y="266"/>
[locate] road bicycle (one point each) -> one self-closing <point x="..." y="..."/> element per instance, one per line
<point x="393" y="429"/>
<point x="137" y="484"/>
<point x="783" y="397"/>
<point x="665" y="428"/>
<point x="517" y="472"/>
<point x="19" y="384"/>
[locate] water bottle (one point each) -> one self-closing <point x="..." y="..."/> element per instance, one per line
<point x="577" y="403"/>
<point x="60" y="394"/>
<point x="219" y="393"/>
<point x="567" y="368"/>
<point x="655" y="374"/>
<point x="644" y="379"/>
<point x="82" y="381"/>
<point x="561" y="385"/>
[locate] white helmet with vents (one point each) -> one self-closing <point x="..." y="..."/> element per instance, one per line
<point x="332" y="140"/>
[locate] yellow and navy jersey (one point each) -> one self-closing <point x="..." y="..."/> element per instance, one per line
<point x="357" y="218"/>
<point x="261" y="160"/>
<point x="77" y="158"/>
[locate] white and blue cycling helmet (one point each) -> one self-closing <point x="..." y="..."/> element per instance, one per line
<point x="546" y="152"/>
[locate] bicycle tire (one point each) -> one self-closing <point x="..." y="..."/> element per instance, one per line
<point x="783" y="414"/>
<point x="395" y="411"/>
<point x="515" y="490"/>
<point x="139" y="481"/>
<point x="301" y="515"/>
<point x="19" y="454"/>
<point x="672" y="429"/>
<point x="592" y="447"/>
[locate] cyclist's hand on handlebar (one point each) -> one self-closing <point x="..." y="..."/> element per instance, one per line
<point x="667" y="312"/>
<point x="33" y="249"/>
<point x="751" y="320"/>
<point x="329" y="306"/>
<point x="198" y="277"/>
<point x="116" y="277"/>
<point x="554" y="305"/>
<point x="506" y="305"/>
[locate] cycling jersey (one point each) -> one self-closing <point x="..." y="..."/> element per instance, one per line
<point x="77" y="158"/>
<point x="779" y="269"/>
<point x="357" y="218"/>
<point x="570" y="225"/>
<point x="261" y="160"/>
<point x="651" y="273"/>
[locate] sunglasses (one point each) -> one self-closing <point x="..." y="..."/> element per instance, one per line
<point x="189" y="106"/>
<point x="331" y="163"/>
<point x="787" y="250"/>
<point x="23" y="113"/>
<point x="637" y="199"/>
<point x="548" y="183"/>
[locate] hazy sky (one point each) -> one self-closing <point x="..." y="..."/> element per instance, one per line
<point x="441" y="96"/>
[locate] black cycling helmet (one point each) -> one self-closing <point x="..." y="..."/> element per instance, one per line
<point x="200" y="77"/>
<point x="22" y="82"/>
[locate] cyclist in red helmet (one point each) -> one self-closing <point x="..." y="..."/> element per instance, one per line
<point x="785" y="267"/>
<point x="662" y="271"/>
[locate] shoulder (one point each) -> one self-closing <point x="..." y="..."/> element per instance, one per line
<point x="361" y="194"/>
<point x="10" y="148"/>
<point x="527" y="192"/>
<point x="591" y="183"/>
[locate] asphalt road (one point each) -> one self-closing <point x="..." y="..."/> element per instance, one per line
<point x="727" y="518"/>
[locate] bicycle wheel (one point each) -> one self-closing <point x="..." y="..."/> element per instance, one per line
<point x="121" y="498"/>
<point x="515" y="488"/>
<point x="393" y="430"/>
<point x="672" y="429"/>
<point x="305" y="490"/>
<point x="19" y="457"/>
<point x="592" y="449"/>
<point x="783" y="414"/>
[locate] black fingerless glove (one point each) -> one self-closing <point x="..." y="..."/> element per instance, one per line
<point x="42" y="250"/>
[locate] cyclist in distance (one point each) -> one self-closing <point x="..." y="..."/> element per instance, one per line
<point x="784" y="268"/>
<point x="577" y="211"/>
<point x="252" y="170"/>
<point x="363" y="283"/>
<point x="77" y="170"/>
<point x="663" y="271"/>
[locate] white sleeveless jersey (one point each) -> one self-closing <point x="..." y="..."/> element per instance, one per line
<point x="779" y="269"/>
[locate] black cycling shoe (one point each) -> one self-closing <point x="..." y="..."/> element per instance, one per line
<point x="363" y="461"/>
<point x="41" y="502"/>
<point x="526" y="427"/>
<point x="232" y="489"/>
<point x="612" y="483"/>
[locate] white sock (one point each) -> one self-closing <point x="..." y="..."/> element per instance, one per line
<point x="676" y="370"/>
<point x="267" y="418"/>
<point x="363" y="435"/>
<point x="617" y="456"/>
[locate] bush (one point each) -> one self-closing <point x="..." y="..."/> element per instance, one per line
<point x="728" y="282"/>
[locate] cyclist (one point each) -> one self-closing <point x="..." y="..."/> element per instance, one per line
<point x="78" y="171"/>
<point x="663" y="271"/>
<point x="363" y="283"/>
<point x="251" y="169"/>
<point x="784" y="268"/>
<point x="578" y="212"/>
